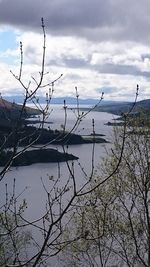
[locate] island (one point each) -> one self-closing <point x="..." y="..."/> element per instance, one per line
<point x="35" y="156"/>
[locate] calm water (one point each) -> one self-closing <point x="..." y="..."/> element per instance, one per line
<point x="28" y="179"/>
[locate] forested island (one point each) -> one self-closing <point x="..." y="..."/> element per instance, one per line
<point x="35" y="156"/>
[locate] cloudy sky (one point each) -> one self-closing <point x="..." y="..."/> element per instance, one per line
<point x="98" y="45"/>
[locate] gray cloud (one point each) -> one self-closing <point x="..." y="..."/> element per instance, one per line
<point x="69" y="62"/>
<point x="58" y="14"/>
<point x="75" y="63"/>
<point x="74" y="77"/>
<point x="92" y="19"/>
<point x="145" y="56"/>
<point x="121" y="70"/>
<point x="106" y="68"/>
<point x="107" y="89"/>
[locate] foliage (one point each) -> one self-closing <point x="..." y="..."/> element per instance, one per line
<point x="113" y="222"/>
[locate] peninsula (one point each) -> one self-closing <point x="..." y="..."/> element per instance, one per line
<point x="15" y="133"/>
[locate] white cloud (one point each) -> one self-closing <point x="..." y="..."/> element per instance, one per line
<point x="92" y="66"/>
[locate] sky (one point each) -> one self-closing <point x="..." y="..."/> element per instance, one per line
<point x="98" y="46"/>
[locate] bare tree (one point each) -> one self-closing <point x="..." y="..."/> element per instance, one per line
<point x="61" y="200"/>
<point x="12" y="220"/>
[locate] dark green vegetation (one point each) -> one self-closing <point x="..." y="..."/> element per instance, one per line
<point x="41" y="136"/>
<point x="118" y="108"/>
<point x="36" y="156"/>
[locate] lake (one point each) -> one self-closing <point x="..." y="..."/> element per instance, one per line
<point x="29" y="179"/>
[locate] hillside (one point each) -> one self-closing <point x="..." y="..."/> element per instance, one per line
<point x="10" y="112"/>
<point x="12" y="106"/>
<point x="119" y="108"/>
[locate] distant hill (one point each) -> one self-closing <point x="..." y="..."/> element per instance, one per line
<point x="119" y="108"/>
<point x="60" y="100"/>
<point x="114" y="107"/>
